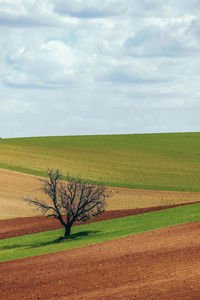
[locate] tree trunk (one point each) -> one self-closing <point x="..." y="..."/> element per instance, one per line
<point x="68" y="229"/>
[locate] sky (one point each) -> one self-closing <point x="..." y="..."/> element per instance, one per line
<point x="99" y="67"/>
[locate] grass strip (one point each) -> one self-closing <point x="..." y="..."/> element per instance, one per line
<point x="48" y="242"/>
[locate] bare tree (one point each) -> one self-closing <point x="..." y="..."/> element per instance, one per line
<point x="74" y="200"/>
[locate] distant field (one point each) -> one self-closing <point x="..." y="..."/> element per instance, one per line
<point x="46" y="242"/>
<point x="149" y="161"/>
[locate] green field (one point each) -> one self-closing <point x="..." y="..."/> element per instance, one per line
<point x="47" y="242"/>
<point x="151" y="161"/>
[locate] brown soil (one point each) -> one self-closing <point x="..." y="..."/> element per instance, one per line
<point x="162" y="264"/>
<point x="27" y="225"/>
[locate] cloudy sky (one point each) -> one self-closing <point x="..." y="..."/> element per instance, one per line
<point x="99" y="67"/>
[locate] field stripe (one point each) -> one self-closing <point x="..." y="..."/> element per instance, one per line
<point x="16" y="185"/>
<point x="161" y="264"/>
<point x="47" y="242"/>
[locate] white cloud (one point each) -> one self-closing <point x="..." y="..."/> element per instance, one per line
<point x="98" y="67"/>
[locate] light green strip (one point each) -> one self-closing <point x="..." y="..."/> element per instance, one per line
<point x="47" y="242"/>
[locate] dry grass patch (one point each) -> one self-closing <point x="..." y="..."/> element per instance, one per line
<point x="124" y="198"/>
<point x="15" y="185"/>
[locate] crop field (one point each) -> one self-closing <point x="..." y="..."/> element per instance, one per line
<point x="18" y="185"/>
<point x="47" y="242"/>
<point x="160" y="264"/>
<point x="149" y="161"/>
<point x="152" y="255"/>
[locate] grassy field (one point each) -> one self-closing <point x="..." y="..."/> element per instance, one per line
<point x="47" y="242"/>
<point x="150" y="161"/>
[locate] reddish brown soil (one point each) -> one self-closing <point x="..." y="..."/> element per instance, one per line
<point x="27" y="225"/>
<point x="162" y="264"/>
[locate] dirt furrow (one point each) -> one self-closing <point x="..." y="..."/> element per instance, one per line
<point x="162" y="264"/>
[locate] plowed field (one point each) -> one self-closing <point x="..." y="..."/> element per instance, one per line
<point x="162" y="264"/>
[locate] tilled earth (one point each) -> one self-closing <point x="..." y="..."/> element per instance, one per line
<point x="161" y="264"/>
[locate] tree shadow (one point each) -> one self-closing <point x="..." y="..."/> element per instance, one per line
<point x="62" y="239"/>
<point x="75" y="236"/>
<point x="10" y="247"/>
